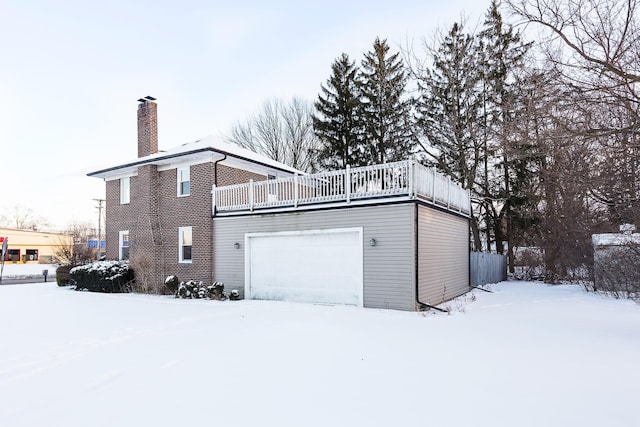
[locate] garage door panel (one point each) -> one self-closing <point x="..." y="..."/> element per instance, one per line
<point x="323" y="266"/>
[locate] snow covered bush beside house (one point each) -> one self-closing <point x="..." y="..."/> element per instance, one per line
<point x="103" y="276"/>
<point x="192" y="289"/>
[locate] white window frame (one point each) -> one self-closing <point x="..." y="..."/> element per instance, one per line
<point x="181" y="243"/>
<point x="121" y="235"/>
<point x="125" y="190"/>
<point x="180" y="173"/>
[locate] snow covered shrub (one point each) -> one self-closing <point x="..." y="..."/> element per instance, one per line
<point x="216" y="291"/>
<point x="172" y="283"/>
<point x="103" y="276"/>
<point x="182" y="291"/>
<point x="62" y="275"/>
<point x="191" y="289"/>
<point x="234" y="295"/>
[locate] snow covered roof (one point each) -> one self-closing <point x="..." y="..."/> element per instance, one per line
<point x="615" y="239"/>
<point x="202" y="150"/>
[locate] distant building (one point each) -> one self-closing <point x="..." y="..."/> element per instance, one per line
<point x="616" y="258"/>
<point x="27" y="246"/>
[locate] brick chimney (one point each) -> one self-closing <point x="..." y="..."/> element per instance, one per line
<point x="147" y="126"/>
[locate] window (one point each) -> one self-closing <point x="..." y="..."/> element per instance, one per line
<point x="184" y="181"/>
<point x="184" y="244"/>
<point x="32" y="254"/>
<point x="13" y="255"/>
<point x="123" y="238"/>
<point x="125" y="190"/>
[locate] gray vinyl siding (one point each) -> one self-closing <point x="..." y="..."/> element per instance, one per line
<point x="389" y="267"/>
<point x="443" y="256"/>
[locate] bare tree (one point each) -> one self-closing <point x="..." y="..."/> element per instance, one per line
<point x="22" y="218"/>
<point x="281" y="131"/>
<point x="75" y="251"/>
<point x="594" y="47"/>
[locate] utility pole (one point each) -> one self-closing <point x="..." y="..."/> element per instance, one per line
<point x="99" y="207"/>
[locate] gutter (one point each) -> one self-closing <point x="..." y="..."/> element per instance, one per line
<point x="415" y="239"/>
<point x="215" y="169"/>
<point x="215" y="181"/>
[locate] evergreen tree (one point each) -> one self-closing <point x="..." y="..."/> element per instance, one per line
<point x="448" y="112"/>
<point x="501" y="54"/>
<point x="337" y="122"/>
<point x="384" y="109"/>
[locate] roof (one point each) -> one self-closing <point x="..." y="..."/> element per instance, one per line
<point x="202" y="150"/>
<point x="615" y="239"/>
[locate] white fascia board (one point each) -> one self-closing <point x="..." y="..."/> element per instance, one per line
<point x="123" y="174"/>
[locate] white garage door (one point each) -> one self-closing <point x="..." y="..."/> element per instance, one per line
<point x="318" y="266"/>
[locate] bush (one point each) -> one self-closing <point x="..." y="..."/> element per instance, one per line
<point x="191" y="289"/>
<point x="172" y="282"/>
<point x="63" y="277"/>
<point x="103" y="276"/>
<point x="617" y="271"/>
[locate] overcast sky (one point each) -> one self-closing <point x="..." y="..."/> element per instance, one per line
<point x="71" y="72"/>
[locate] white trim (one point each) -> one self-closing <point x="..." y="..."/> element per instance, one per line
<point x="182" y="164"/>
<point x="122" y="175"/>
<point x="120" y="245"/>
<point x="360" y="255"/>
<point x="181" y="243"/>
<point x="178" y="182"/>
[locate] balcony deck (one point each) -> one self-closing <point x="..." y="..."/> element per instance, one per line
<point x="387" y="182"/>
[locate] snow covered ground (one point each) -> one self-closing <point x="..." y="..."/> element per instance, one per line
<point x="526" y="355"/>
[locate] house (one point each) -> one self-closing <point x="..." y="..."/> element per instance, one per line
<point x="389" y="236"/>
<point x="158" y="206"/>
<point x="28" y="246"/>
<point x="616" y="258"/>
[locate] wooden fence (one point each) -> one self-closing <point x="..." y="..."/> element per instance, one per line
<point x="487" y="268"/>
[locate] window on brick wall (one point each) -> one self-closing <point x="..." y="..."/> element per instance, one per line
<point x="184" y="181"/>
<point x="123" y="238"/>
<point x="184" y="244"/>
<point x="125" y="190"/>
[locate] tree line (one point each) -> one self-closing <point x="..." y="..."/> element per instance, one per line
<point x="545" y="135"/>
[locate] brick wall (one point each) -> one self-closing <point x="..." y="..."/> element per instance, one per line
<point x="193" y="211"/>
<point x="230" y="176"/>
<point x="154" y="194"/>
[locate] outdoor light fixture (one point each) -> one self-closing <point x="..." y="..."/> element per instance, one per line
<point x="236" y="245"/>
<point x="372" y="242"/>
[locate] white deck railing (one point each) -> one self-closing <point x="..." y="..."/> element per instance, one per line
<point x="407" y="178"/>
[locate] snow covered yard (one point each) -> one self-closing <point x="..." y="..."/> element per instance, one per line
<point x="25" y="270"/>
<point x="526" y="355"/>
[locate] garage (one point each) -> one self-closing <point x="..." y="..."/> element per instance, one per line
<point x="318" y="266"/>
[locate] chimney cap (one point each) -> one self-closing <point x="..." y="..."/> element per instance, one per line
<point x="146" y="99"/>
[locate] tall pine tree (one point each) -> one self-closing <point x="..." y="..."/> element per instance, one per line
<point x="337" y="122"/>
<point x="448" y="113"/>
<point x="501" y="54"/>
<point x="385" y="109"/>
